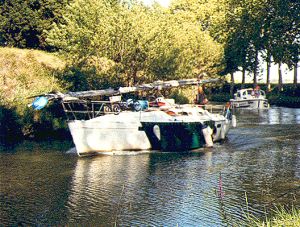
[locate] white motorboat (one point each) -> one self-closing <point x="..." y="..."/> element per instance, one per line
<point x="249" y="98"/>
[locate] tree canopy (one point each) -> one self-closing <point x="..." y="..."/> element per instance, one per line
<point x="126" y="42"/>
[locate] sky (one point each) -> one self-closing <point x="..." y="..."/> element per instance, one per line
<point x="287" y="75"/>
<point x="164" y="3"/>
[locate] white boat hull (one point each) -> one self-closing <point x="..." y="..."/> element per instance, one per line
<point x="101" y="135"/>
<point x="123" y="132"/>
<point x="221" y="130"/>
<point x="250" y="103"/>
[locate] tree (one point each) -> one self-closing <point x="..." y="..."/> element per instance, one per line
<point x="22" y="23"/>
<point x="281" y="31"/>
<point x="142" y="44"/>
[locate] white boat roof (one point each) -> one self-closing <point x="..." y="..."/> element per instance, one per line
<point x="247" y="89"/>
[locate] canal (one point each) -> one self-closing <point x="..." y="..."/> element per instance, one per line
<point x="257" y="167"/>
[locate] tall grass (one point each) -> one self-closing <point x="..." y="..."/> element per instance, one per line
<point x="24" y="73"/>
<point x="280" y="217"/>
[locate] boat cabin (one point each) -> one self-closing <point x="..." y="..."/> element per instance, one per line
<point x="249" y="93"/>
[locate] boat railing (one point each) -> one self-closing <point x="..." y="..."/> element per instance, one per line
<point x="212" y="108"/>
<point x="78" y="109"/>
<point x="82" y="109"/>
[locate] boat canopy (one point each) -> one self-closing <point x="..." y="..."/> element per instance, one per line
<point x="157" y="85"/>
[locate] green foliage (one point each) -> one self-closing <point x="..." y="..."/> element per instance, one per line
<point x="141" y="44"/>
<point x="23" y="22"/>
<point x="282" y="30"/>
<point x="179" y="97"/>
<point x="10" y="127"/>
<point x="220" y="97"/>
<point x="148" y="43"/>
<point x="288" y="90"/>
<point x="284" y="100"/>
<point x="46" y="123"/>
<point x="89" y="77"/>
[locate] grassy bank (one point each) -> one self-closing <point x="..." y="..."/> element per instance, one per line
<point x="281" y="217"/>
<point x="25" y="73"/>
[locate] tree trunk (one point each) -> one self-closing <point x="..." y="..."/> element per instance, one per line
<point x="295" y="73"/>
<point x="231" y="84"/>
<point x="243" y="77"/>
<point x="4" y="80"/>
<point x="268" y="73"/>
<point x="279" y="77"/>
<point x="255" y="69"/>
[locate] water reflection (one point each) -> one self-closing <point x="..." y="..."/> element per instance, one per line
<point x="33" y="188"/>
<point x="275" y="115"/>
<point x="99" y="183"/>
<point x="260" y="161"/>
<point x="151" y="188"/>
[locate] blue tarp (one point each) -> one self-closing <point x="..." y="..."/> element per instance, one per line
<point x="39" y="103"/>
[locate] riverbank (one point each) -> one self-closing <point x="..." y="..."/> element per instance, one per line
<point x="25" y="73"/>
<point x="281" y="217"/>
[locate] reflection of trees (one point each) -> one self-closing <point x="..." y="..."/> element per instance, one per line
<point x="274" y="115"/>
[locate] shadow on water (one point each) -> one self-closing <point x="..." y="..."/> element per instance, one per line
<point x="256" y="167"/>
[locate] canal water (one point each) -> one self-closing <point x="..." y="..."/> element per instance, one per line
<point x="257" y="167"/>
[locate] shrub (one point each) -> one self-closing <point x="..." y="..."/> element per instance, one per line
<point x="10" y="127"/>
<point x="283" y="100"/>
<point x="220" y="97"/>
